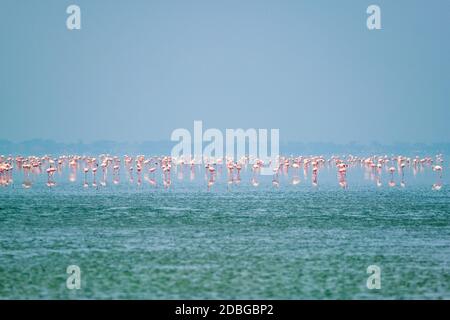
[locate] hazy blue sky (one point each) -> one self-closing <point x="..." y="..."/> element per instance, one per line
<point x="139" y="69"/>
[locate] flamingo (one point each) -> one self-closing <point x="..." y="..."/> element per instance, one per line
<point x="392" y="182"/>
<point x="85" y="170"/>
<point x="342" y="174"/>
<point x="373" y="167"/>
<point x="402" y="172"/>
<point x="438" y="184"/>
<point x="275" y="180"/>
<point x="254" y="180"/>
<point x="296" y="177"/>
<point x="314" y="177"/>
<point x="104" y="166"/>
<point x="50" y="172"/>
<point x="94" y="182"/>
<point x="116" y="169"/>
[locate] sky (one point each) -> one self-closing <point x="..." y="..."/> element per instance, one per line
<point x="137" y="70"/>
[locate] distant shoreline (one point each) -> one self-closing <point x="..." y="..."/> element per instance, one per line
<point x="41" y="146"/>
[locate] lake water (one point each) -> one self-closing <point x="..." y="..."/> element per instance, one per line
<point x="231" y="242"/>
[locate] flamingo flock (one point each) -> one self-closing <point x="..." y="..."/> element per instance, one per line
<point x="153" y="170"/>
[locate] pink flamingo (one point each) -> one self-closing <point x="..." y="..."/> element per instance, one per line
<point x="166" y="173"/>
<point x="130" y="174"/>
<point x="116" y="174"/>
<point x="104" y="166"/>
<point x="73" y="168"/>
<point x="238" y="168"/>
<point x="50" y="172"/>
<point x="286" y="167"/>
<point x="237" y="178"/>
<point x="192" y="174"/>
<point x="254" y="181"/>
<point x="438" y="184"/>
<point x="230" y="167"/>
<point x="392" y="182"/>
<point x="26" y="170"/>
<point x="212" y="176"/>
<point x="86" y="170"/>
<point x="314" y="176"/>
<point x="138" y="169"/>
<point x="275" y="180"/>
<point x="402" y="172"/>
<point x="378" y="176"/>
<point x="94" y="171"/>
<point x="296" y="177"/>
<point x="180" y="170"/>
<point x="342" y="174"/>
